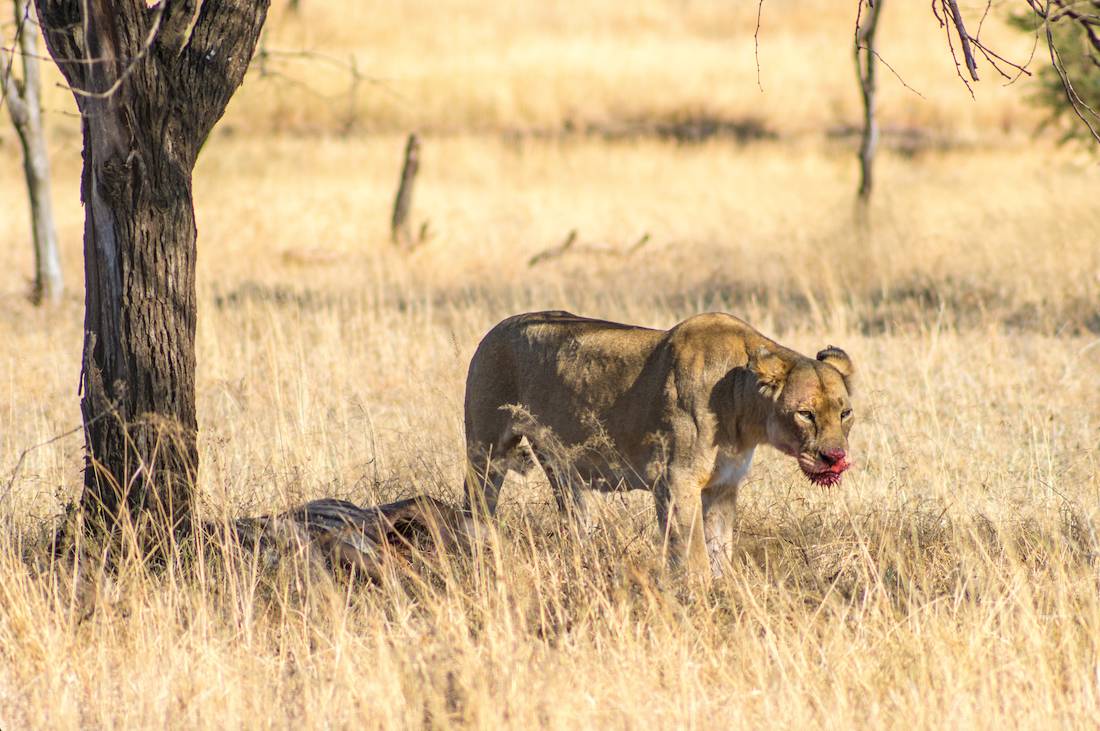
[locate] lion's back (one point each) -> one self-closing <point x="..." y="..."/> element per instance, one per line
<point x="537" y="356"/>
<point x="557" y="365"/>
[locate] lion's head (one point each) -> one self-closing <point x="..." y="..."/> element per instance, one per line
<point x="811" y="412"/>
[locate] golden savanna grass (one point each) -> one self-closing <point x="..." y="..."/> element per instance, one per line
<point x="951" y="581"/>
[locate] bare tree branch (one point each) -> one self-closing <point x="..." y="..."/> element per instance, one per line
<point x="605" y="249"/>
<point x="952" y="6"/>
<point x="11" y="90"/>
<point x="219" y="48"/>
<point x="555" y="251"/>
<point x="1051" y="11"/>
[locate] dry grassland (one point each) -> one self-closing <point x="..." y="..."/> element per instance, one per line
<point x="950" y="581"/>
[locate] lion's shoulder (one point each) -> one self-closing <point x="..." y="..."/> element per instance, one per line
<point x="564" y="321"/>
<point x="558" y="330"/>
<point x="715" y="334"/>
<point x="713" y="324"/>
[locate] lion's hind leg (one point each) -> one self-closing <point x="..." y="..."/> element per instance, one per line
<point x="487" y="464"/>
<point x="572" y="492"/>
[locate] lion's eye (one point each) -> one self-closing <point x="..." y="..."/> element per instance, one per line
<point x="807" y="415"/>
<point x="847" y="413"/>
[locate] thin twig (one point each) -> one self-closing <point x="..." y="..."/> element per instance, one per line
<point x="985" y="13"/>
<point x="992" y="57"/>
<point x="1030" y="58"/>
<point x="33" y="447"/>
<point x="756" y="43"/>
<point x="351" y="66"/>
<point x="892" y="70"/>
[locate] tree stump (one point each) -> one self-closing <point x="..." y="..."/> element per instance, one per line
<point x="399" y="225"/>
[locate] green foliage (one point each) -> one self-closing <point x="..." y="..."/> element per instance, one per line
<point x="1082" y="66"/>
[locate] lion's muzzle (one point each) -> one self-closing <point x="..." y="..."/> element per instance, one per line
<point x="827" y="469"/>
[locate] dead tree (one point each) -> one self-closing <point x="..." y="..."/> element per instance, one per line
<point x="866" y="61"/>
<point x="402" y="203"/>
<point x="347" y="537"/>
<point x="25" y="108"/>
<point x="150" y="82"/>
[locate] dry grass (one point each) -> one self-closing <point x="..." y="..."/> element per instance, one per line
<point x="469" y="64"/>
<point x="458" y="65"/>
<point x="951" y="581"/>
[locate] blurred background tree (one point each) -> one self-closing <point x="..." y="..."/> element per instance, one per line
<point x="1075" y="30"/>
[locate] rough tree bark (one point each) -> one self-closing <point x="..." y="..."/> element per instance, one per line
<point x="865" y="70"/>
<point x="150" y="83"/>
<point x="24" y="105"/>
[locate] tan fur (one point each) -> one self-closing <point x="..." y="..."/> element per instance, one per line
<point x="679" y="412"/>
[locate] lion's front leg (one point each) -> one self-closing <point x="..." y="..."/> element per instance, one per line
<point x="720" y="506"/>
<point x="719" y="516"/>
<point x="680" y="513"/>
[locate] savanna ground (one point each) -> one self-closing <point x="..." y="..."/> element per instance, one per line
<point x="950" y="581"/>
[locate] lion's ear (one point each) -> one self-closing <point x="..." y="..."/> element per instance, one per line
<point x="838" y="359"/>
<point x="770" y="370"/>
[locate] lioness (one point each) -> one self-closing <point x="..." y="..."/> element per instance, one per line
<point x="679" y="412"/>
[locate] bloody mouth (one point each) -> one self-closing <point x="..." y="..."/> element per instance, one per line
<point x="829" y="476"/>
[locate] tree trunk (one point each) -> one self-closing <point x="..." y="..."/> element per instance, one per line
<point x="865" y="69"/>
<point x="139" y="373"/>
<point x="150" y="83"/>
<point x="25" y="108"/>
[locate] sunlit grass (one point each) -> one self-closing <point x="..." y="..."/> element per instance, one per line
<point x="950" y="581"/>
